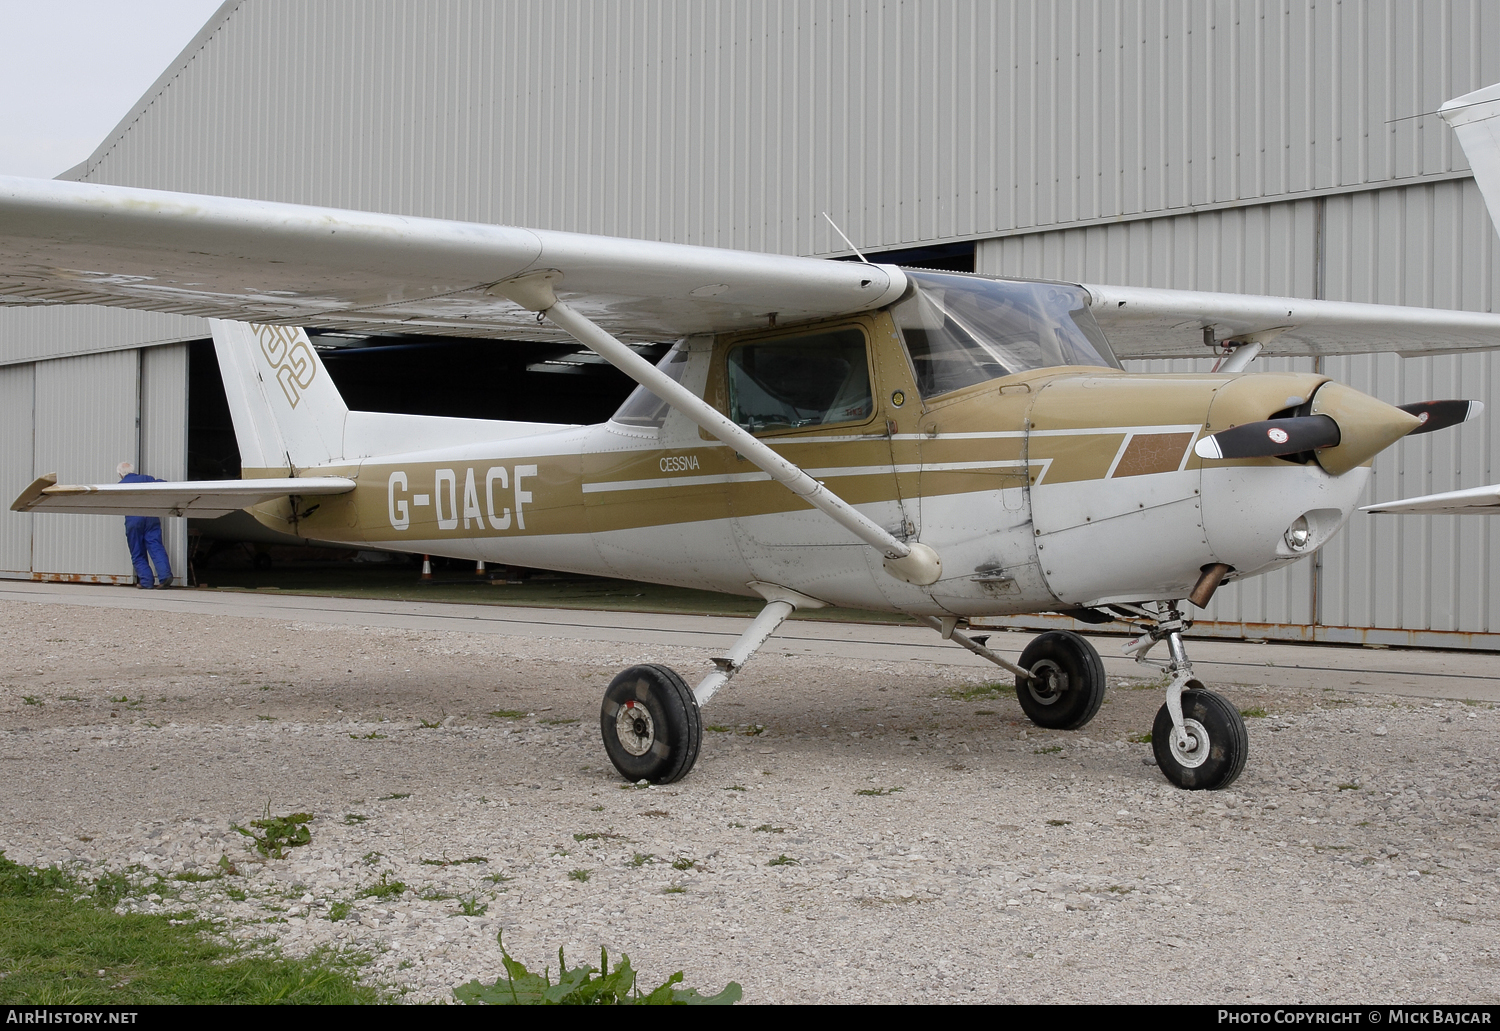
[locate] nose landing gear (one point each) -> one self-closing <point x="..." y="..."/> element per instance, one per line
<point x="1199" y="738"/>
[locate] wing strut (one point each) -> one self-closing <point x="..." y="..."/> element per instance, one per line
<point x="911" y="562"/>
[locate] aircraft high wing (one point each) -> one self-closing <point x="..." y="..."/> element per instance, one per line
<point x="935" y="444"/>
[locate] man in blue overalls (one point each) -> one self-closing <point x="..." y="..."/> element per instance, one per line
<point x="143" y="535"/>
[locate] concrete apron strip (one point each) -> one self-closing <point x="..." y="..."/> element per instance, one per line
<point x="1421" y="674"/>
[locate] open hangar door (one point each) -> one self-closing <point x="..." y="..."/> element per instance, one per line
<point x="415" y="375"/>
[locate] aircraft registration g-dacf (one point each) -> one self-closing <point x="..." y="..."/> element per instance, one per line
<point x="821" y="433"/>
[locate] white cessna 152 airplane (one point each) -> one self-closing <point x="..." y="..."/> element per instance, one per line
<point x="821" y="433"/>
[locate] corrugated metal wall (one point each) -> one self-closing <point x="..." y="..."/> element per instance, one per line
<point x="17" y="392"/>
<point x="735" y="123"/>
<point x="58" y="331"/>
<point x="80" y="417"/>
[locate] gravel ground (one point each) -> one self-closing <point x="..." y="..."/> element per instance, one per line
<point x="854" y="831"/>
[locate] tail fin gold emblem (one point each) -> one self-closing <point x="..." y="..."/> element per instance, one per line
<point x="291" y="359"/>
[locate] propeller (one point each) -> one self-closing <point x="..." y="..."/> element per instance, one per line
<point x="1295" y="434"/>
<point x="1439" y="415"/>
<point x="1271" y="437"/>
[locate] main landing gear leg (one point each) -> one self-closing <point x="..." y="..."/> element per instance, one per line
<point x="1199" y="738"/>
<point x="652" y="723"/>
<point x="1060" y="682"/>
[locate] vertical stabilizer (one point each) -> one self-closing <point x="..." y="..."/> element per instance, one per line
<point x="287" y="413"/>
<point x="1473" y="117"/>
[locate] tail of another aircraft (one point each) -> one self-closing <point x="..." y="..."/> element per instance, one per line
<point x="1475" y="118"/>
<point x="287" y="413"/>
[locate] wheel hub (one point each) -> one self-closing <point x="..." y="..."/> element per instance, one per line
<point x="635" y="728"/>
<point x="1047" y="683"/>
<point x="1190" y="745"/>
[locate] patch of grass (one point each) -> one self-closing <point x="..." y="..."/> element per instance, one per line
<point x="383" y="889"/>
<point x="754" y="730"/>
<point x="784" y="860"/>
<point x="766" y="828"/>
<point x="371" y="858"/>
<point x="65" y="946"/>
<point x="674" y="889"/>
<point x="354" y="819"/>
<point x="277" y="833"/>
<point x="1048" y="750"/>
<point x="339" y="911"/>
<point x="267" y="719"/>
<point x="1348" y="787"/>
<point x="194" y="877"/>
<point x="736" y="787"/>
<point x="436" y="895"/>
<point x="1058" y="823"/>
<point x="640" y="859"/>
<point x="683" y="863"/>
<point x="596" y="836"/>
<point x="429" y="725"/>
<point x="579" y="986"/>
<point x="496" y="878"/>
<point x="982" y="692"/>
<point x="878" y="792"/>
<point x="1140" y="739"/>
<point x="985" y="712"/>
<point x="394" y="798"/>
<point x="445" y="861"/>
<point x="471" y="906"/>
<point x="237" y="894"/>
<point x="30" y="699"/>
<point x="740" y="825"/>
<point x="1255" y="712"/>
<point x="371" y="736"/>
<point x="717" y="728"/>
<point x="581" y="875"/>
<point x="507" y="714"/>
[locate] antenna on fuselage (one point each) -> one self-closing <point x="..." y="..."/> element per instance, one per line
<point x="850" y="242"/>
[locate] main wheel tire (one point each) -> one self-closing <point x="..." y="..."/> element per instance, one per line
<point x="1067" y="683"/>
<point x="651" y="724"/>
<point x="1218" y="732"/>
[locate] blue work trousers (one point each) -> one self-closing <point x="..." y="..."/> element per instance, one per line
<point x="143" y="534"/>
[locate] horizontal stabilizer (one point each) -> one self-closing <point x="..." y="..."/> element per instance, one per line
<point x="1474" y="501"/>
<point x="205" y="499"/>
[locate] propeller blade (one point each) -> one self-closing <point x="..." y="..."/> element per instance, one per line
<point x="1270" y="437"/>
<point x="1439" y="415"/>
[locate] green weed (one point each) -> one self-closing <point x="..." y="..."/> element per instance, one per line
<point x="445" y="861"/>
<point x="1255" y="712"/>
<point x="383" y="889"/>
<point x="194" y="877"/>
<point x="1058" y="823"/>
<point x="580" y="986"/>
<point x="1048" y="750"/>
<point x="579" y="875"/>
<point x="394" y="798"/>
<point x="640" y="859"/>
<point x="754" y="730"/>
<point x="432" y="725"/>
<point x="354" y="819"/>
<point x="982" y="691"/>
<point x="371" y="736"/>
<point x="30" y="699"/>
<point x="673" y="889"/>
<point x="507" y="714"/>
<point x="471" y="906"/>
<point x="1140" y="739"/>
<point x="682" y="863"/>
<point x="736" y="787"/>
<point x="717" y="728"/>
<point x="766" y="828"/>
<point x="878" y="792"/>
<point x="784" y="860"/>
<point x="595" y="836"/>
<point x="277" y="833"/>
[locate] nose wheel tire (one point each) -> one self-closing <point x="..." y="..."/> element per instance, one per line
<point x="651" y="724"/>
<point x="1218" y="743"/>
<point x="1067" y="681"/>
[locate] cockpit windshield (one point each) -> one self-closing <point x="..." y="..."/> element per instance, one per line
<point x="961" y="330"/>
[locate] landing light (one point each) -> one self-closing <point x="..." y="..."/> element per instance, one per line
<point x="1299" y="534"/>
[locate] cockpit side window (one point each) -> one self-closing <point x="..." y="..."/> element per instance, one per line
<point x="792" y="382"/>
<point x="962" y="330"/>
<point x="644" y="409"/>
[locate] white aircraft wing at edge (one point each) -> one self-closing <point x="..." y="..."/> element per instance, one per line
<point x="1475" y="500"/>
<point x="289" y="264"/>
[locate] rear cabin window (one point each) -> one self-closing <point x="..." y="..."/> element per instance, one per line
<point x="791" y="382"/>
<point x="643" y="409"/>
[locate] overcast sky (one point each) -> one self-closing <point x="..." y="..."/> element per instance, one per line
<point x="71" y="69"/>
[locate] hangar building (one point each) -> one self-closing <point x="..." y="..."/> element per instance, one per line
<point x="1244" y="145"/>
